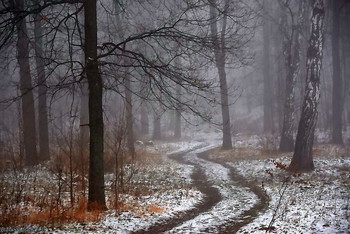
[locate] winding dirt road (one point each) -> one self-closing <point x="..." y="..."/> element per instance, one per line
<point x="198" y="158"/>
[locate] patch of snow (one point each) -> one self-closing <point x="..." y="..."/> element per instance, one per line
<point x="316" y="202"/>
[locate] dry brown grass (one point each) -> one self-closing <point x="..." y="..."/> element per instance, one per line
<point x="330" y="151"/>
<point x="154" y="209"/>
<point x="53" y="215"/>
<point x="247" y="153"/>
<point x="146" y="157"/>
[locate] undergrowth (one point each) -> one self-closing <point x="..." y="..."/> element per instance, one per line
<point x="55" y="192"/>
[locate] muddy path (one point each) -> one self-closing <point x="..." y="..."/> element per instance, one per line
<point x="212" y="197"/>
<point x="249" y="215"/>
<point x="199" y="180"/>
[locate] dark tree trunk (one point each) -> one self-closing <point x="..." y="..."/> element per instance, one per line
<point x="96" y="198"/>
<point x="84" y="131"/>
<point x="281" y="92"/>
<point x="157" y="134"/>
<point x="337" y="102"/>
<point x="44" y="153"/>
<point x="84" y="115"/>
<point x="302" y="158"/>
<point x="84" y="120"/>
<point x="345" y="64"/>
<point x="177" y="127"/>
<point x="267" y="105"/>
<point x="129" y="117"/>
<point x="28" y="111"/>
<point x="144" y="119"/>
<point x="292" y="52"/>
<point x="225" y="111"/>
<point x="220" y="56"/>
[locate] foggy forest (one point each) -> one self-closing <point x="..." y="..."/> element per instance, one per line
<point x="174" y="116"/>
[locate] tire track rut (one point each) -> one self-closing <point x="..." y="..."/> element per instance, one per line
<point x="212" y="197"/>
<point x="200" y="181"/>
<point x="249" y="215"/>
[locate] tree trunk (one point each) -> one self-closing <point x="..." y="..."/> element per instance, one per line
<point x="302" y="158"/>
<point x="177" y="128"/>
<point x="84" y="118"/>
<point x="267" y="99"/>
<point x="84" y="130"/>
<point x="337" y="103"/>
<point x="219" y="52"/>
<point x="157" y="133"/>
<point x="144" y="119"/>
<point x="129" y="117"/>
<point x="28" y="111"/>
<point x="225" y="111"/>
<point x="292" y="53"/>
<point x="96" y="198"/>
<point x="44" y="153"/>
<point x="84" y="114"/>
<point x="128" y="92"/>
<point x="346" y="91"/>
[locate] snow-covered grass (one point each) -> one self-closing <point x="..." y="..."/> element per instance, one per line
<point x="158" y="189"/>
<point x="316" y="202"/>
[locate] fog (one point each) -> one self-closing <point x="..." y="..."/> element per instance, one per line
<point x="94" y="92"/>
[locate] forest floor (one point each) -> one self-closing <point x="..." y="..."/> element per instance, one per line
<point x="194" y="187"/>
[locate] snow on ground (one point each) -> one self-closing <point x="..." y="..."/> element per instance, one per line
<point x="169" y="203"/>
<point x="164" y="192"/>
<point x="316" y="202"/>
<point x="235" y="200"/>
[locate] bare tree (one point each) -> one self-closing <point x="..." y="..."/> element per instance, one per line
<point x="220" y="60"/>
<point x="44" y="153"/>
<point x="181" y="29"/>
<point x="292" y="56"/>
<point x="177" y="127"/>
<point x="337" y="94"/>
<point x="302" y="158"/>
<point x="129" y="117"/>
<point x="157" y="124"/>
<point x="144" y="118"/>
<point x="267" y="100"/>
<point x="96" y="198"/>
<point x="28" y="111"/>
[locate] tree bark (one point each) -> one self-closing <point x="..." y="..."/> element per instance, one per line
<point x="44" y="153"/>
<point x="28" y="111"/>
<point x="96" y="196"/>
<point x="292" y="52"/>
<point x="302" y="158"/>
<point x="267" y="99"/>
<point x="83" y="118"/>
<point x="220" y="56"/>
<point x="337" y="95"/>
<point x="84" y="115"/>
